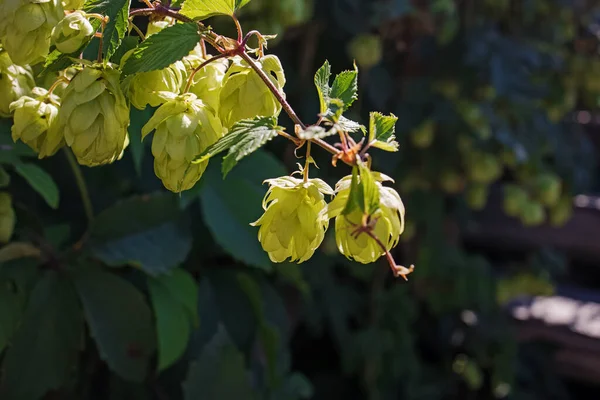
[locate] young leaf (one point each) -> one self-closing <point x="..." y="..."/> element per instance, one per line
<point x="202" y="9"/>
<point x="162" y="49"/>
<point x="175" y="303"/>
<point x="45" y="348"/>
<point x="370" y="191"/>
<point x="355" y="196"/>
<point x="244" y="138"/>
<point x="382" y="130"/>
<point x="120" y="321"/>
<point x="322" y="83"/>
<point x="118" y="13"/>
<point x="41" y="182"/>
<point x="345" y="87"/>
<point x="349" y="125"/>
<point x="149" y="232"/>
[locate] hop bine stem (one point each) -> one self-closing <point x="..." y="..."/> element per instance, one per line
<point x="60" y="80"/>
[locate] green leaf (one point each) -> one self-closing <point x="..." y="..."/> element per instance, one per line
<point x="202" y="9"/>
<point x="45" y="349"/>
<point x="41" y="182"/>
<point x="4" y="178"/>
<point x="219" y="373"/>
<point x="228" y="218"/>
<point x="345" y="87"/>
<point x="120" y="321"/>
<point x="370" y="191"/>
<point x="162" y="49"/>
<point x="322" y="78"/>
<point x="355" y="195"/>
<point x="139" y="118"/>
<point x="382" y="129"/>
<point x="11" y="312"/>
<point x="175" y="302"/>
<point x="118" y="13"/>
<point x="128" y="43"/>
<point x="244" y="138"/>
<point x="149" y="232"/>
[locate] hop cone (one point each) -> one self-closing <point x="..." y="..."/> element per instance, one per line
<point x="245" y="95"/>
<point x="184" y="127"/>
<point x="7" y="217"/>
<point x="295" y="219"/>
<point x="158" y="25"/>
<point x="389" y="222"/>
<point x="72" y="32"/>
<point x="208" y="82"/>
<point x="32" y="118"/>
<point x="155" y="87"/>
<point x="25" y="28"/>
<point x="94" y="116"/>
<point x="15" y="81"/>
<point x="73" y="4"/>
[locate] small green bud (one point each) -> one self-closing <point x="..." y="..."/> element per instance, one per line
<point x="25" y="29"/>
<point x="7" y="217"/>
<point x="548" y="188"/>
<point x="32" y="120"/>
<point x="295" y="218"/>
<point x="388" y="222"/>
<point x="94" y="116"/>
<point x="562" y="211"/>
<point x="244" y="94"/>
<point x="477" y="195"/>
<point x="72" y="32"/>
<point x="533" y="214"/>
<point x="184" y="127"/>
<point x="515" y="199"/>
<point x="15" y="81"/>
<point x="483" y="167"/>
<point x="423" y="135"/>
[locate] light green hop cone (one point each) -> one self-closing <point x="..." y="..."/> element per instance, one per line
<point x="295" y="219"/>
<point x="243" y="86"/>
<point x="33" y="117"/>
<point x="207" y="82"/>
<point x="158" y="25"/>
<point x="25" y="28"/>
<point x="72" y="32"/>
<point x="94" y="116"/>
<point x="388" y="222"/>
<point x="184" y="127"/>
<point x="73" y="4"/>
<point x="154" y="88"/>
<point x="15" y="81"/>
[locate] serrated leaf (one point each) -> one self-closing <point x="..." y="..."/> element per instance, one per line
<point x="349" y="125"/>
<point x="175" y="303"/>
<point x="46" y="346"/>
<point x="228" y="218"/>
<point x="162" y="49"/>
<point x="345" y="87"/>
<point x="219" y="373"/>
<point x="382" y="129"/>
<point x="244" y="138"/>
<point x="202" y="9"/>
<point x="120" y="321"/>
<point x="150" y="232"/>
<point x="41" y="182"/>
<point x="118" y="13"/>
<point x="322" y="77"/>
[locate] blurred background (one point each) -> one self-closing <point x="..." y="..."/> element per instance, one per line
<point x="498" y="128"/>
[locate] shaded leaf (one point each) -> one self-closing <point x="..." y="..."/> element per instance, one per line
<point x="40" y="181"/>
<point x="4" y="178"/>
<point x="16" y="250"/>
<point x="118" y="13"/>
<point x="46" y="346"/>
<point x="162" y="49"/>
<point x="120" y="321"/>
<point x="149" y="232"/>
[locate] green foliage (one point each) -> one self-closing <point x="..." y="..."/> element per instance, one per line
<point x="41" y="181"/>
<point x="202" y="9"/>
<point x="116" y="27"/>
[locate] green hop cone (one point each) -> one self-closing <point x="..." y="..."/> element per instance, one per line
<point x="154" y="87"/>
<point x="32" y="120"/>
<point x="533" y="214"/>
<point x="94" y="116"/>
<point x="15" y="81"/>
<point x="158" y="25"/>
<point x="72" y="4"/>
<point x="477" y="195"/>
<point x="244" y="94"/>
<point x="72" y="32"/>
<point x="366" y="49"/>
<point x="483" y="167"/>
<point x="7" y="217"/>
<point x="295" y="219"/>
<point x="515" y="199"/>
<point x="562" y="211"/>
<point x="184" y="127"/>
<point x="25" y="29"/>
<point x="207" y="82"/>
<point x="388" y="225"/>
<point x="548" y="188"/>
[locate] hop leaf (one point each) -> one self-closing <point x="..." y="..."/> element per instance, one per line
<point x="184" y="127"/>
<point x="25" y="28"/>
<point x="72" y="32"/>
<point x="295" y="219"/>
<point x="388" y="221"/>
<point x="15" y="81"/>
<point x="244" y="94"/>
<point x="32" y="119"/>
<point x="94" y="116"/>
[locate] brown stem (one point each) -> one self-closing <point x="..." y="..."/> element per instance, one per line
<point x="204" y="64"/>
<point x="398" y="270"/>
<point x="59" y="80"/>
<point x="239" y="28"/>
